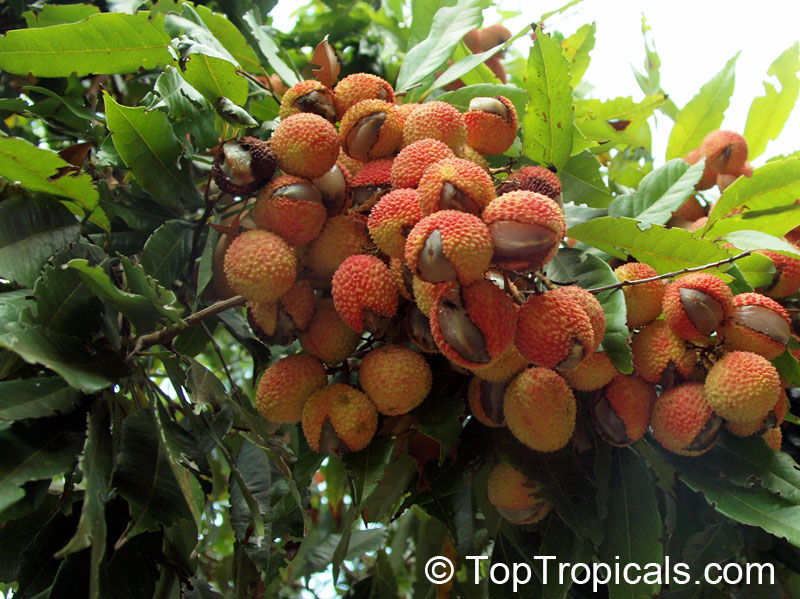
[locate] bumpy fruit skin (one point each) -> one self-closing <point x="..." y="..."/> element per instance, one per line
<point x="773" y="419"/>
<point x="308" y="96"/>
<point x="485" y="399"/>
<point x="436" y="120"/>
<point x="391" y="219"/>
<point x="787" y="275"/>
<point x="351" y="164"/>
<point x="642" y="301"/>
<point x="386" y="139"/>
<point x="405" y="109"/>
<point x="658" y="352"/>
<point x="305" y="145"/>
<point x="774" y="438"/>
<point x="403" y="279"/>
<point x="395" y="378"/>
<point x="297" y="217"/>
<point x="490" y="133"/>
<point x="683" y="421"/>
<point x="739" y="336"/>
<point x="455" y="184"/>
<point x="338" y="419"/>
<point x="372" y="182"/>
<point x="219" y="280"/>
<point x="519" y="215"/>
<point x="260" y="266"/>
<point x="364" y="291"/>
<point x="341" y="236"/>
<point x="413" y="160"/>
<point x="554" y="331"/>
<point x="286" y="385"/>
<point x="675" y="312"/>
<point x="593" y="308"/>
<point x="465" y="241"/>
<point x="690" y="210"/>
<point x="278" y="323"/>
<point x="298" y="303"/>
<point x="621" y="411"/>
<point x="593" y="373"/>
<point x="474" y="157"/>
<point x="533" y="178"/>
<point x="514" y="495"/>
<point x="742" y="386"/>
<point x="511" y="363"/>
<point x="540" y="409"/>
<point x="358" y="87"/>
<point x="489" y="309"/>
<point x="424" y="294"/>
<point x="237" y="178"/>
<point x="327" y="336"/>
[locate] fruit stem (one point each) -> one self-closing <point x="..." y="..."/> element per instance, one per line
<point x="669" y="275"/>
<point x="544" y="279"/>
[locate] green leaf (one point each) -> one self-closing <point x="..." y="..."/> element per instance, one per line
<point x="768" y="113"/>
<point x="547" y="126"/>
<point x="703" y="114"/>
<point x="143" y="477"/>
<point x="37" y="169"/>
<point x="84" y="367"/>
<point x="58" y="14"/>
<point x="590" y="272"/>
<point x="440" y="420"/>
<point x="147" y="144"/>
<point x="449" y="25"/>
<point x="558" y="11"/>
<point x="36" y="398"/>
<point x="461" y="97"/>
<point x="714" y="545"/>
<point x="765" y="202"/>
<point x="166" y="253"/>
<point x="36" y="450"/>
<point x="788" y="367"/>
<point x="103" y="44"/>
<point x="576" y="49"/>
<point x="480" y="74"/>
<point x="215" y="77"/>
<point x="422" y="13"/>
<point x="270" y="50"/>
<point x="31" y="230"/>
<point x="756" y="240"/>
<point x="391" y="487"/>
<point x="231" y="38"/>
<point x="583" y="181"/>
<point x="633" y="526"/>
<point x="660" y="193"/>
<point x="180" y="99"/>
<point x="366" y="467"/>
<point x="617" y="122"/>
<point x="667" y="250"/>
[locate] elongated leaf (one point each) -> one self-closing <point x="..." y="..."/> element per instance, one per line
<point x="179" y="98"/>
<point x="231" y="38"/>
<point x="765" y="202"/>
<point x="448" y="27"/>
<point x="547" y="125"/>
<point x="769" y="113"/>
<point x="270" y="50"/>
<point x="460" y="98"/>
<point x="576" y="49"/>
<point x="756" y="240"/>
<point x="38" y="169"/>
<point x="36" y="398"/>
<point x="617" y="122"/>
<point x="166" y="252"/>
<point x="714" y="545"/>
<point x="214" y="78"/>
<point x="703" y="113"/>
<point x="633" y="526"/>
<point x="660" y="193"/>
<point x="106" y="43"/>
<point x="58" y="14"/>
<point x="391" y="487"/>
<point x="666" y="250"/>
<point x="583" y="182"/>
<point x="147" y="144"/>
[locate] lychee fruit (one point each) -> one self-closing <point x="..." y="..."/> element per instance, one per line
<point x="742" y="386"/>
<point x="391" y="220"/>
<point x="327" y="336"/>
<point x="286" y="385"/>
<point x="660" y="356"/>
<point x="485" y="399"/>
<point x="291" y="207"/>
<point x="308" y="96"/>
<point x="358" y="87"/>
<point x="642" y="301"/>
<point x="339" y="419"/>
<point x="370" y="130"/>
<point x="513" y="495"/>
<point x="684" y="422"/>
<point x="774" y="438"/>
<point x="455" y="184"/>
<point x="334" y="187"/>
<point x="725" y="152"/>
<point x="773" y="419"/>
<point x="696" y="305"/>
<point x="592" y="307"/>
<point x="279" y="323"/>
<point x="242" y="166"/>
<point x="305" y="145"/>
<point x="534" y="178"/>
<point x="475" y="157"/>
<point x="491" y="124"/>
<point x="395" y="378"/>
<point x="594" y="372"/>
<point x="621" y="411"/>
<point x="413" y="160"/>
<point x="372" y="182"/>
<point x="511" y="363"/>
<point x="364" y="293"/>
<point x="758" y="324"/>
<point x="424" y="293"/>
<point x="540" y="409"/>
<point x="436" y="120"/>
<point x="787" y="275"/>
<point x="341" y="236"/>
<point x="260" y="266"/>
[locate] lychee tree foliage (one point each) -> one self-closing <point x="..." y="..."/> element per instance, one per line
<point x="136" y="461"/>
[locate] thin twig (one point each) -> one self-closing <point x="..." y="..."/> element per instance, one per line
<point x="669" y="275"/>
<point x="512" y="290"/>
<point x="260" y="84"/>
<point x="218" y="350"/>
<point x="544" y="279"/>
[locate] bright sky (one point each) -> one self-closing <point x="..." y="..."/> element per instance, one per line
<point x="694" y="38"/>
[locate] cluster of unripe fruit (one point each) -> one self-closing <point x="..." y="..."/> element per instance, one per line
<point x="392" y="226"/>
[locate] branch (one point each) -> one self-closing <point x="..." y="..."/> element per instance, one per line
<point x="669" y="275"/>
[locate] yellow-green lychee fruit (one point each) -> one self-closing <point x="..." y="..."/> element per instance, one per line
<point x="661" y="357"/>
<point x="485" y="399"/>
<point x="260" y="266"/>
<point x="308" y="96"/>
<point x="540" y="409"/>
<point x="511" y="363"/>
<point x="370" y="130"/>
<point x="436" y="120"/>
<point x="683" y="421"/>
<point x="455" y="184"/>
<point x="621" y="411"/>
<point x="773" y="419"/>
<point x="395" y="378"/>
<point x="594" y="372"/>
<point x="592" y="307"/>
<point x="286" y="385"/>
<point x="364" y="293"/>
<point x="758" y="324"/>
<point x="305" y="145"/>
<point x="338" y="419"/>
<point x="642" y="301"/>
<point x="413" y="160"/>
<point x="391" y="220"/>
<point x="291" y="207"/>
<point x="743" y="386"/>
<point x="491" y="124"/>
<point x="526" y="228"/>
<point x="424" y="294"/>
<point x="696" y="305"/>
<point x="278" y="323"/>
<point x="341" y="236"/>
<point x="448" y="246"/>
<point x="513" y="495"/>
<point x="327" y="336"/>
<point x="358" y="87"/>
